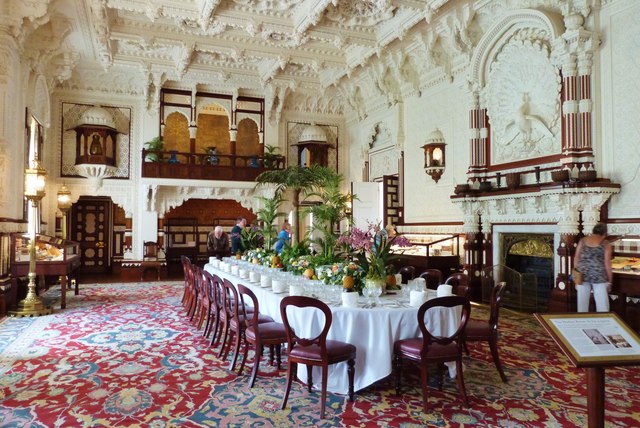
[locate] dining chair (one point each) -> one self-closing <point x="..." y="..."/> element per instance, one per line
<point x="314" y="351"/>
<point x="433" y="278"/>
<point x="460" y="282"/>
<point x="272" y="334"/>
<point x="210" y="312"/>
<point x="487" y="331"/>
<point x="192" y="297"/>
<point x="150" y="259"/>
<point x="234" y="322"/>
<point x="408" y="273"/>
<point x="186" y="263"/>
<point x="434" y="349"/>
<point x="200" y="291"/>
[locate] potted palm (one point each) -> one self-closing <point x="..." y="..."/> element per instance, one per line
<point x="155" y="148"/>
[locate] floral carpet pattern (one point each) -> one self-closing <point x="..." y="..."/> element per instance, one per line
<point x="125" y="355"/>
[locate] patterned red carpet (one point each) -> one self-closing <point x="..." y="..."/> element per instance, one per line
<point x="124" y="355"/>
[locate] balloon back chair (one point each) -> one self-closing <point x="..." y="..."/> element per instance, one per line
<point x="314" y="351"/>
<point x="434" y="349"/>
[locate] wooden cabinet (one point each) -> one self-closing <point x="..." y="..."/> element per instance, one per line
<point x="182" y="240"/>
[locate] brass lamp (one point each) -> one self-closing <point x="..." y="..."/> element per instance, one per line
<point x="34" y="191"/>
<point x="64" y="205"/>
<point x="434" y="159"/>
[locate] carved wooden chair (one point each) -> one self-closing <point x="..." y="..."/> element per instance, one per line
<point x="408" y="273"/>
<point x="487" y="331"/>
<point x="460" y="283"/>
<point x="430" y="349"/>
<point x="314" y="351"/>
<point x="272" y="334"/>
<point x="433" y="278"/>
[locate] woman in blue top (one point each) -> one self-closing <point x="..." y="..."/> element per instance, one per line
<point x="593" y="260"/>
<point x="284" y="236"/>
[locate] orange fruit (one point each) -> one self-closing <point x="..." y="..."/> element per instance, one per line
<point x="308" y="273"/>
<point x="391" y="280"/>
<point x="348" y="282"/>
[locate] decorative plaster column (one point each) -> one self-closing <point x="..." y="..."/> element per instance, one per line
<point x="478" y="139"/>
<point x="160" y="232"/>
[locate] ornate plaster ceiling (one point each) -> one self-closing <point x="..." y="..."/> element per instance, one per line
<point x="241" y="45"/>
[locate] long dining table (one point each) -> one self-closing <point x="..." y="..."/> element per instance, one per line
<point x="372" y="328"/>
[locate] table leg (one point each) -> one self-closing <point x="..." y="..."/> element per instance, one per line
<point x="63" y="287"/>
<point x="595" y="397"/>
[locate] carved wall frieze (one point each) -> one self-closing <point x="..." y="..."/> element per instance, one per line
<point x="360" y="12"/>
<point x="162" y="198"/>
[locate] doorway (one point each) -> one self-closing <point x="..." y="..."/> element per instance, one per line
<point x="91" y="226"/>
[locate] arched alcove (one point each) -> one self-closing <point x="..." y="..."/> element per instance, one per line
<point x="213" y="130"/>
<point x="247" y="140"/>
<point x="176" y="133"/>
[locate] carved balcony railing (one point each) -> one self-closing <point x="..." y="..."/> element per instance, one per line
<point x="203" y="166"/>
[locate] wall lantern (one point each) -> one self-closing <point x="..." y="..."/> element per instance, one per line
<point x="434" y="159"/>
<point x="34" y="181"/>
<point x="64" y="205"/>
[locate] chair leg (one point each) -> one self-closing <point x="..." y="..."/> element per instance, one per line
<point x="236" y="350"/>
<point x="291" y="372"/>
<point x="323" y="391"/>
<point x="496" y="359"/>
<point x="225" y="333"/>
<point x="279" y="356"/>
<point x="466" y="348"/>
<point x="244" y="356"/>
<point x="397" y="364"/>
<point x="216" y="328"/>
<point x="309" y="377"/>
<point x="351" y="370"/>
<point x="424" y="380"/>
<point x="256" y="364"/>
<point x="460" y="378"/>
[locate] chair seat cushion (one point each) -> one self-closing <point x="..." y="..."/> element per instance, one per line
<point x="336" y="351"/>
<point x="475" y="328"/>
<point x="268" y="331"/>
<point x="261" y="319"/>
<point x="413" y="348"/>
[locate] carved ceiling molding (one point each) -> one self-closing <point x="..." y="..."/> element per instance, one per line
<point x="162" y="198"/>
<point x="559" y="206"/>
<point x="365" y="13"/>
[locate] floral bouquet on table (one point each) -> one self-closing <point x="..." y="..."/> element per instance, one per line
<point x="372" y="248"/>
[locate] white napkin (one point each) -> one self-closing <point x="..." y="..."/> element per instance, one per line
<point x="278" y="285"/>
<point x="296" y="290"/>
<point x="444" y="290"/>
<point x="234" y="270"/>
<point x="421" y="283"/>
<point x="398" y="278"/>
<point x="265" y="281"/>
<point x="350" y="300"/>
<point x="417" y="298"/>
<point x="254" y="276"/>
<point x="214" y="261"/>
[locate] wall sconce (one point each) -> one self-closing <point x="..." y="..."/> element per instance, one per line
<point x="434" y="159"/>
<point x="64" y="205"/>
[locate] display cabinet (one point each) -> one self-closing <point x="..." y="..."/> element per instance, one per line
<point x="54" y="256"/>
<point x="626" y="279"/>
<point x="431" y="251"/>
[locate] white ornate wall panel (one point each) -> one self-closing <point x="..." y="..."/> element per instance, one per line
<point x="441" y="108"/>
<point x="619" y="141"/>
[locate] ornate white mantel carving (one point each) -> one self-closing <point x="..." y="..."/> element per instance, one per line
<point x="560" y="206"/>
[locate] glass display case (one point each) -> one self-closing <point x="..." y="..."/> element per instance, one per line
<point x="54" y="256"/>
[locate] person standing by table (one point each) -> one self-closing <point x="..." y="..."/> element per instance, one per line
<point x="236" y="236"/>
<point x="284" y="237"/>
<point x="218" y="243"/>
<point x="593" y="260"/>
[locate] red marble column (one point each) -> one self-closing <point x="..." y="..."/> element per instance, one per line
<point x="472" y="266"/>
<point x="128" y="227"/>
<point x="161" y="232"/>
<point x="563" y="295"/>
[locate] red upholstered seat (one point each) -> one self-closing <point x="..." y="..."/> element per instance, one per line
<point x="259" y="334"/>
<point x="434" y="349"/>
<point x="315" y="351"/>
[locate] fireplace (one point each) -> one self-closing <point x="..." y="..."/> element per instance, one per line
<point x="525" y="257"/>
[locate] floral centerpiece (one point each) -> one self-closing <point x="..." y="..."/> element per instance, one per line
<point x="372" y="249"/>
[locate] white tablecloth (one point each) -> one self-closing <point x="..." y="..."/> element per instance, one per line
<point x="373" y="331"/>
